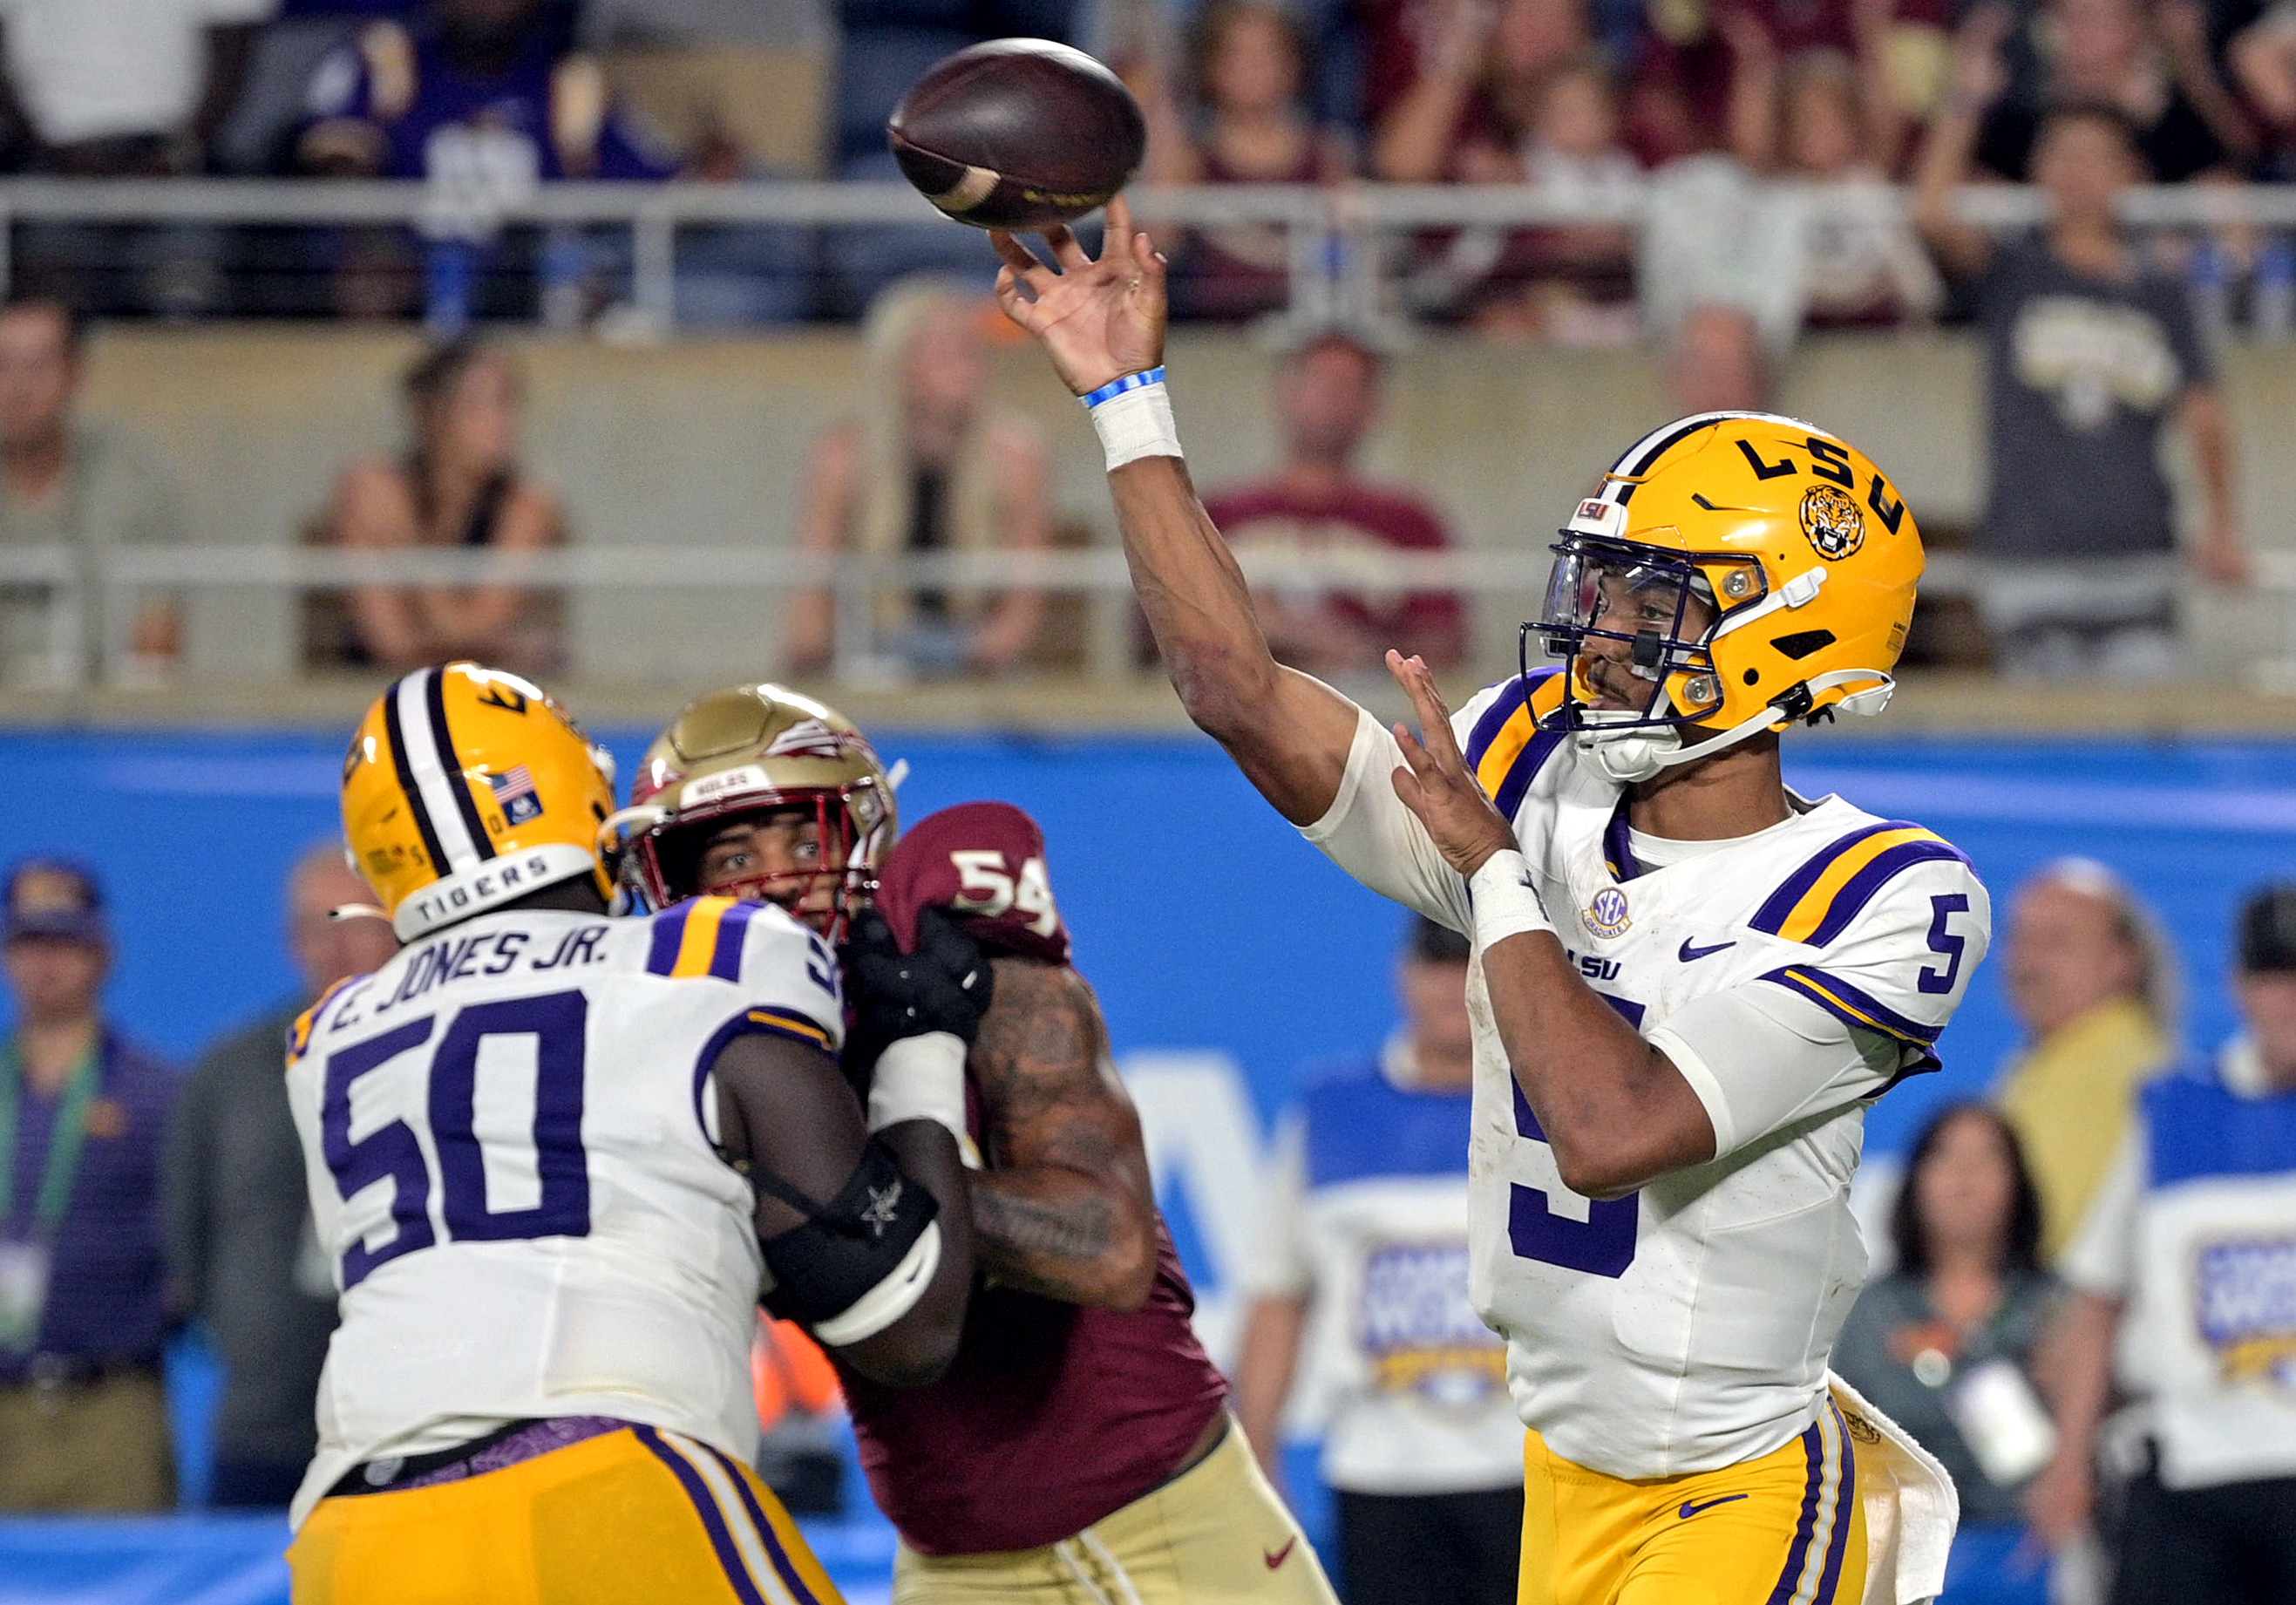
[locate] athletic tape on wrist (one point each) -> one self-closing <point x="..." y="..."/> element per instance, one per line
<point x="920" y="1078"/>
<point x="1134" y="421"/>
<point x="1505" y="903"/>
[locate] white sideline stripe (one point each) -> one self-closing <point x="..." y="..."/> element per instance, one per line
<point x="1829" y="1503"/>
<point x="736" y="1517"/>
<point x="423" y="744"/>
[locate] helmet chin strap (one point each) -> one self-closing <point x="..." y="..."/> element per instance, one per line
<point x="1628" y="756"/>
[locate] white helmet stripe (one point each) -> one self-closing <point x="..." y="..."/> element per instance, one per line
<point x="1639" y="458"/>
<point x="426" y="752"/>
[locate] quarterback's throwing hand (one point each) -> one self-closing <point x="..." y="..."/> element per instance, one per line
<point x="1098" y="320"/>
<point x="1436" y="784"/>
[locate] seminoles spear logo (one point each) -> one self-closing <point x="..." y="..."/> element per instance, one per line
<point x="1834" y="524"/>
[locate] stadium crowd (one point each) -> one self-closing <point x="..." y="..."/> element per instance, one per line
<point x="2026" y="1233"/>
<point x="1778" y="128"/>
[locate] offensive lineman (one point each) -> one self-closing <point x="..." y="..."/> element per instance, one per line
<point x="1078" y="1451"/>
<point x="553" y="1156"/>
<point x="1688" y="982"/>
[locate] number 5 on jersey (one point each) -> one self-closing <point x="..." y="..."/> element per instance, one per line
<point x="1601" y="1244"/>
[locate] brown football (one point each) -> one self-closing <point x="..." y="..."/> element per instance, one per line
<point x="1018" y="133"/>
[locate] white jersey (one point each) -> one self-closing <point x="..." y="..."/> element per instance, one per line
<point x="1791" y="977"/>
<point x="508" y="1133"/>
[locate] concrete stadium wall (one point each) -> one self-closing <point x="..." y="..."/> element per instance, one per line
<point x="705" y="442"/>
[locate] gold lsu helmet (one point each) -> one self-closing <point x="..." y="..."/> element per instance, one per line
<point x="466" y="788"/>
<point x="758" y="749"/>
<point x="1757" y="572"/>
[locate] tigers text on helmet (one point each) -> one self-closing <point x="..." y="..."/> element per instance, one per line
<point x="747" y="752"/>
<point x="1737" y="572"/>
<point x="467" y="787"/>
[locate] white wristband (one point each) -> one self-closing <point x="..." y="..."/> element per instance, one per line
<point x="1136" y="423"/>
<point x="920" y="1078"/>
<point x="1505" y="901"/>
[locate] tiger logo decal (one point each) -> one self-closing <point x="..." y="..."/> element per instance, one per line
<point x="1834" y="524"/>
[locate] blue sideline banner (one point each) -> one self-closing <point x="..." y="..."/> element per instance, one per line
<point x="1228" y="953"/>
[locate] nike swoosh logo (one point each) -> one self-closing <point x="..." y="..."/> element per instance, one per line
<point x="1689" y="1510"/>
<point x="1690" y="955"/>
<point x="1284" y="1554"/>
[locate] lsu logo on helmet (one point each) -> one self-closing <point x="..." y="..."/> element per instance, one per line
<point x="467" y="787"/>
<point x="1746" y="571"/>
<point x="1833" y="522"/>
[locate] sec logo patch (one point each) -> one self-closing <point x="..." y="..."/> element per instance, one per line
<point x="1607" y="915"/>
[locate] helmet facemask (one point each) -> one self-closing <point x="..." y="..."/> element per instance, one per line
<point x="849" y="832"/>
<point x="1661" y="607"/>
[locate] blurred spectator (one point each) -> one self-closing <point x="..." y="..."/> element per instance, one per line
<point x="1687" y="74"/>
<point x="2091" y="357"/>
<point x="2263" y="57"/>
<point x="884" y="47"/>
<point x="2151" y="64"/>
<point x="1314" y="506"/>
<point x="1477" y="91"/>
<point x="1569" y="282"/>
<point x="482" y="102"/>
<point x="1947" y="1344"/>
<point x="83" y="1417"/>
<point x="64" y="482"/>
<point x="459" y="485"/>
<point x="1362" y="1270"/>
<point x="240" y="1244"/>
<point x="1715" y="363"/>
<point x="1723" y="274"/>
<point x="2092" y="982"/>
<point x="750" y="73"/>
<point x="2182" y="1275"/>
<point x="124" y="88"/>
<point x="1248" y="124"/>
<point x="1829" y="123"/>
<point x="931" y="467"/>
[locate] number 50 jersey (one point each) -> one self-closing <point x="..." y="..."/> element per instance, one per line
<point x="1792" y="975"/>
<point x="508" y="1134"/>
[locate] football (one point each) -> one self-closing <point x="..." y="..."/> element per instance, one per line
<point x="1018" y="133"/>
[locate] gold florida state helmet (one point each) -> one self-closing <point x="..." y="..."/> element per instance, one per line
<point x="758" y="749"/>
<point x="1758" y="571"/>
<point x="467" y="787"/>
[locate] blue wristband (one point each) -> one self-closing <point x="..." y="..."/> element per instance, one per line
<point x="1117" y="387"/>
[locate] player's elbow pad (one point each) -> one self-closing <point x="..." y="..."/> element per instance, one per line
<point x="862" y="1262"/>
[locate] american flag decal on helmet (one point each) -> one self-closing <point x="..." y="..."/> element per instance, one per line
<point x="515" y="791"/>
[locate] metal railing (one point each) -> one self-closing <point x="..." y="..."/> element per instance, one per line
<point x="1337" y="236"/>
<point x="79" y="589"/>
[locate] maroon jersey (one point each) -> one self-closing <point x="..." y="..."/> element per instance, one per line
<point x="1052" y="1416"/>
<point x="1430" y="623"/>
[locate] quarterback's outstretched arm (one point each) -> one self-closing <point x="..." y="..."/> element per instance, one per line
<point x="849" y="1265"/>
<point x="1614" y="1108"/>
<point x="1101" y="321"/>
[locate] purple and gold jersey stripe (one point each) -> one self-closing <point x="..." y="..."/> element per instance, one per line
<point x="299" y="1035"/>
<point x="1848" y="1003"/>
<point x="1507" y="745"/>
<point x="1819" y="900"/>
<point x="789" y="1022"/>
<point x="702" y="937"/>
<point x="1812" y="1574"/>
